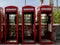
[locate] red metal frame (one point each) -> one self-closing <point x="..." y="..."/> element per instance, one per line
<point x="23" y="12"/>
<point x="41" y="11"/>
<point x="15" y="10"/>
<point x="1" y="11"/>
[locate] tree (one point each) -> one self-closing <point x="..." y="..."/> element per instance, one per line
<point x="19" y="18"/>
<point x="41" y="1"/>
<point x="51" y="2"/>
<point x="56" y="16"/>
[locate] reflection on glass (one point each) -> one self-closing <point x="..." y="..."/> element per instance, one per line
<point x="11" y="28"/>
<point x="28" y="28"/>
<point x="27" y="32"/>
<point x="44" y="18"/>
<point x="11" y="34"/>
<point x="46" y="28"/>
<point x="12" y="18"/>
<point x="27" y="17"/>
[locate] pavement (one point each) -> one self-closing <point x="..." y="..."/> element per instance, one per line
<point x="29" y="44"/>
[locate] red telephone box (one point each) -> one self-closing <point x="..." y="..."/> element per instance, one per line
<point x="1" y="11"/>
<point x="45" y="22"/>
<point x="28" y="25"/>
<point x="11" y="25"/>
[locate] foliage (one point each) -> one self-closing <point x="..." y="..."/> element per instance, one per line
<point x="19" y="18"/>
<point x="57" y="16"/>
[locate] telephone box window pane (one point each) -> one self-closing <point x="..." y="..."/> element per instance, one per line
<point x="11" y="28"/>
<point x="28" y="28"/>
<point x="46" y="27"/>
<point x="27" y="18"/>
<point x="44" y="18"/>
<point x="11" y="34"/>
<point x="12" y="18"/>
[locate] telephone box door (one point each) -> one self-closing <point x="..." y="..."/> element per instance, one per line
<point x="45" y="21"/>
<point x="28" y="24"/>
<point x="11" y="24"/>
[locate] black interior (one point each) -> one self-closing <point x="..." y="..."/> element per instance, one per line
<point x="8" y="37"/>
<point x="30" y="28"/>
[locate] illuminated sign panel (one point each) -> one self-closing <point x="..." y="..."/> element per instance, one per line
<point x="46" y="9"/>
<point x="10" y="9"/>
<point x="28" y="9"/>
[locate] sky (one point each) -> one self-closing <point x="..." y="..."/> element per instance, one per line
<point x="20" y="3"/>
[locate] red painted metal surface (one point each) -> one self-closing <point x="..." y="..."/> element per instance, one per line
<point x="45" y="35"/>
<point x="10" y="12"/>
<point x="1" y="11"/>
<point x="28" y="10"/>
